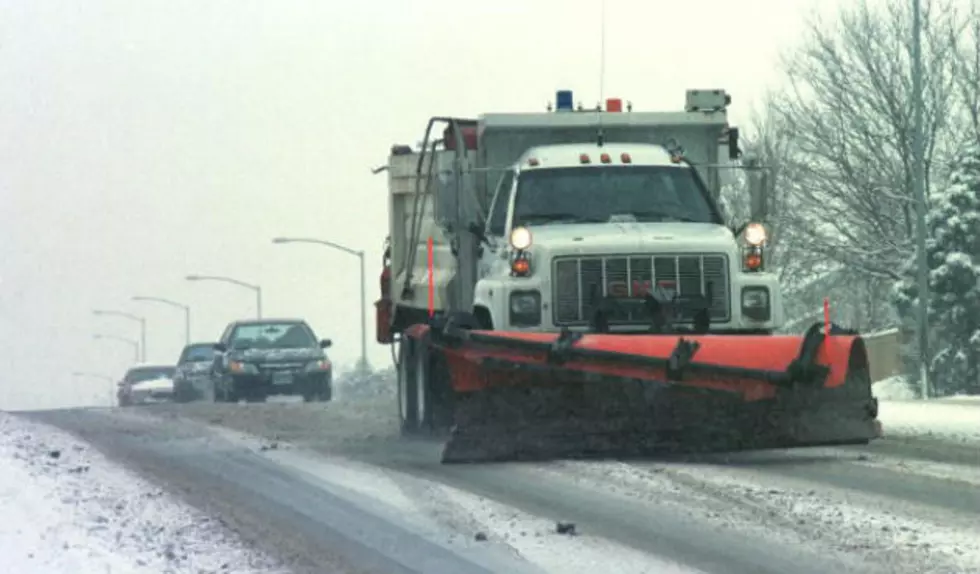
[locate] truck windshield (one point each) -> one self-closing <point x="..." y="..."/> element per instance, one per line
<point x="600" y="194"/>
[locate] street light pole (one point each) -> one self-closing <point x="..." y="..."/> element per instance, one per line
<point x="360" y="255"/>
<point x="256" y="288"/>
<point x="186" y="308"/>
<point x="918" y="184"/>
<point x="135" y="344"/>
<point x="131" y="317"/>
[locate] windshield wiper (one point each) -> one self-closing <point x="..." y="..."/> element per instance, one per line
<point x="559" y="217"/>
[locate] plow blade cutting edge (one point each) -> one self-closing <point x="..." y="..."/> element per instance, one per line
<point x="534" y="396"/>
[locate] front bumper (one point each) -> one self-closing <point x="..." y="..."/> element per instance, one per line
<point x="281" y="382"/>
<point x="151" y="397"/>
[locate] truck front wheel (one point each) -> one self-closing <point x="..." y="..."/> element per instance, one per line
<point x="407" y="386"/>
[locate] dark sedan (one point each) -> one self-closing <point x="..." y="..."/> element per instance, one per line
<point x="262" y="357"/>
<point x="192" y="382"/>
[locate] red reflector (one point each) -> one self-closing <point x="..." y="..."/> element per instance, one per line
<point x="614" y="105"/>
<point x="605" y="158"/>
<point x="584" y="158"/>
<point x="533" y="162"/>
<point x="625" y="158"/>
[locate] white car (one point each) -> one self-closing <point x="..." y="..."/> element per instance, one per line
<point x="147" y="384"/>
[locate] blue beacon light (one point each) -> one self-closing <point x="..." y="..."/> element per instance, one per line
<point x="563" y="101"/>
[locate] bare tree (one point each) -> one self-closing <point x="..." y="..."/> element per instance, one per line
<point x="848" y="107"/>
<point x="967" y="67"/>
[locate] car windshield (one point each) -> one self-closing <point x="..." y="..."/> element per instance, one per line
<point x="144" y="374"/>
<point x="273" y="336"/>
<point x="197" y="353"/>
<point x="602" y="194"/>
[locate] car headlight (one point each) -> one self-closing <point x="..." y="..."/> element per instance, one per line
<point x="241" y="367"/>
<point x="756" y="304"/>
<point x="525" y="308"/>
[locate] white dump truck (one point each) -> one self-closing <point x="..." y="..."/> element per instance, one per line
<point x="565" y="283"/>
<point x="578" y="219"/>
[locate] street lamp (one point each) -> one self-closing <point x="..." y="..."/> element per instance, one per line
<point x="134" y="343"/>
<point x="360" y="255"/>
<point x="186" y="308"/>
<point x="106" y="378"/>
<point x="256" y="288"/>
<point x="131" y="317"/>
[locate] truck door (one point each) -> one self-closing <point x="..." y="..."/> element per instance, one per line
<point x="496" y="226"/>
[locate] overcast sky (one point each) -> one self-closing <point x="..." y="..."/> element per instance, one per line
<point x="141" y="141"/>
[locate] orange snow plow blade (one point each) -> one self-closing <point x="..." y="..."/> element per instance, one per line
<point x="533" y="396"/>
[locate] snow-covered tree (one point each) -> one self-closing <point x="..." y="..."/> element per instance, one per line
<point x="953" y="254"/>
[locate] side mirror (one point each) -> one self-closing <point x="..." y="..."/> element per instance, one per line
<point x="220" y="347"/>
<point x="325" y="343"/>
<point x="758" y="188"/>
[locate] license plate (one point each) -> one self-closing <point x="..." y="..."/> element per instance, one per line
<point x="282" y="379"/>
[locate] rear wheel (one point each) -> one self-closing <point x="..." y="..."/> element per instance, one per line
<point x="423" y="377"/>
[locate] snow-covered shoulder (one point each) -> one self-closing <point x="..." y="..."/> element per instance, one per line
<point x="954" y="418"/>
<point x="68" y="509"/>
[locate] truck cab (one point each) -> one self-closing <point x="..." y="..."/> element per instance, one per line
<point x="583" y="235"/>
<point x="598" y="220"/>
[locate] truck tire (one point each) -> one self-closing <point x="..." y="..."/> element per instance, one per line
<point x="407" y="389"/>
<point x="434" y="393"/>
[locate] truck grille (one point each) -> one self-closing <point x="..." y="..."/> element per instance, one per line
<point x="575" y="279"/>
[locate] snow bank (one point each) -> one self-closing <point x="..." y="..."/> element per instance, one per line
<point x="901" y="412"/>
<point x="67" y="509"/>
<point x="933" y="418"/>
<point x="896" y="388"/>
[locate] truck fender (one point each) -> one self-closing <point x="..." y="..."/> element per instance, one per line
<point x="489" y="299"/>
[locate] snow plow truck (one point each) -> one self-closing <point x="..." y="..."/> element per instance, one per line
<point x="565" y="284"/>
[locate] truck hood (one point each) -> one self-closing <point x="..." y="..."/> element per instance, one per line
<point x="631" y="237"/>
<point x="278" y="355"/>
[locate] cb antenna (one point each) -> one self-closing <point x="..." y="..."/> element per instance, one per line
<point x="602" y="69"/>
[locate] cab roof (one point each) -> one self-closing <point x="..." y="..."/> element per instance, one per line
<point x="570" y="155"/>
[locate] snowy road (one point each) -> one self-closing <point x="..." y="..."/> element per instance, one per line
<point x="333" y="484"/>
<point x="68" y="510"/>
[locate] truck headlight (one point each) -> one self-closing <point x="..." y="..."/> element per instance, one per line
<point x="755" y="234"/>
<point x="525" y="308"/>
<point x="756" y="304"/>
<point x="520" y="238"/>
